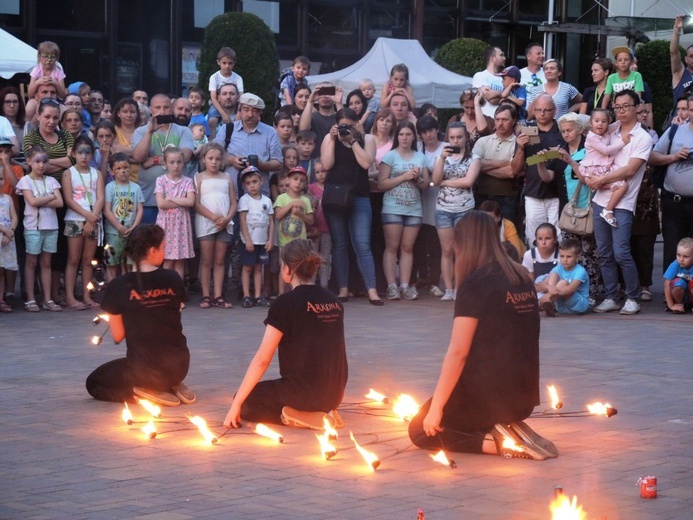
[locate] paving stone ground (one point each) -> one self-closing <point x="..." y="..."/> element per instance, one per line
<point x="65" y="455"/>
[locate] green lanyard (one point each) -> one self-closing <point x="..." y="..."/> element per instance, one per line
<point x="87" y="189"/>
<point x="120" y="195"/>
<point x="38" y="194"/>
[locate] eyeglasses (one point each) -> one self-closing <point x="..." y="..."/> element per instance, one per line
<point x="11" y="102"/>
<point x="643" y="112"/>
<point x="51" y="102"/>
<point x="49" y="57"/>
<point x="622" y="108"/>
<point x="544" y="110"/>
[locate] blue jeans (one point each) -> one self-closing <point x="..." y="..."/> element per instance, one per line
<point x="149" y="215"/>
<point x="613" y="249"/>
<point x="355" y="225"/>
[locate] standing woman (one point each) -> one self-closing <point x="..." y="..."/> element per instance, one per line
<point x="403" y="175"/>
<point x="489" y="381"/>
<point x="455" y="172"/>
<point x="301" y="96"/>
<point x="594" y="95"/>
<point x="57" y="144"/>
<point x="348" y="156"/>
<point x="126" y="118"/>
<point x="72" y="122"/>
<point x="564" y="94"/>
<point x="358" y="103"/>
<point x="12" y="107"/>
<point x="478" y="125"/>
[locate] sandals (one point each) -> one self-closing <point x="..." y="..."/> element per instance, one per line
<point x="31" y="306"/>
<point x="247" y="302"/>
<point x="206" y="302"/>
<point x="609" y="217"/>
<point x="50" y="305"/>
<point x="220" y="303"/>
<point x="5" y="307"/>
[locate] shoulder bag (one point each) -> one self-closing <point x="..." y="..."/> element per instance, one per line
<point x="579" y="221"/>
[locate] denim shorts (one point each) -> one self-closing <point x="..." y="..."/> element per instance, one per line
<point x="41" y="241"/>
<point x="220" y="236"/>
<point x="402" y="220"/>
<point x="447" y="219"/>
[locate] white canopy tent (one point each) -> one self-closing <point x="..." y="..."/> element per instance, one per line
<point x="431" y="82"/>
<point x="16" y="55"/>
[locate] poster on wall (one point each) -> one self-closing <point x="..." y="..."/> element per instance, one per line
<point x="128" y="69"/>
<point x="191" y="57"/>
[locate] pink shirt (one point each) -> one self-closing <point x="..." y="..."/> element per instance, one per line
<point x="57" y="73"/>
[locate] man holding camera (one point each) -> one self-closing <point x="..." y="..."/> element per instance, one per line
<point x="320" y="121"/>
<point x="149" y="143"/>
<point x="251" y="143"/>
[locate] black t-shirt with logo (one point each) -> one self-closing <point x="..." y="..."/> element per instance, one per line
<point x="312" y="351"/>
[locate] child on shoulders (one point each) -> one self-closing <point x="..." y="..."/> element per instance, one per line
<point x="226" y="59"/>
<point x="299" y="70"/>
<point x="568" y="283"/>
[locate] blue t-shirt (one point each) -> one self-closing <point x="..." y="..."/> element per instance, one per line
<point x="676" y="271"/>
<point x="405" y="198"/>
<point x="123" y="200"/>
<point x="577" y="273"/>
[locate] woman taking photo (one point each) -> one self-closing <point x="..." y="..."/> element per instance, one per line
<point x="402" y="175"/>
<point x="594" y="95"/>
<point x="489" y="381"/>
<point x="455" y="172"/>
<point x="564" y="94"/>
<point x="478" y="125"/>
<point x="348" y="155"/>
<point x="126" y="118"/>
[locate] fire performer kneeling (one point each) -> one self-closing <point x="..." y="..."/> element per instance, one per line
<point x="144" y="308"/>
<point x="307" y="325"/>
<point x="489" y="381"/>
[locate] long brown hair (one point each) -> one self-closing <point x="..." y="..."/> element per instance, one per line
<point x="477" y="243"/>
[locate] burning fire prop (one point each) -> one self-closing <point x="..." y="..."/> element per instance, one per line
<point x="153" y="409"/>
<point x="556" y="404"/>
<point x="443" y="459"/>
<point x="405" y="407"/>
<point x="602" y="409"/>
<point x="326" y="448"/>
<point x="371" y="458"/>
<point x="201" y="424"/>
<point x="127" y="416"/>
<point x="265" y="431"/>
<point x="562" y="508"/>
<point x="377" y="397"/>
<point x="149" y="430"/>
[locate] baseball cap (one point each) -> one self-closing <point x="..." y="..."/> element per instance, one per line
<point x="511" y="71"/>
<point x="5" y="141"/>
<point x="297" y="169"/>
<point x="247" y="171"/>
<point x="618" y="50"/>
<point x="252" y="101"/>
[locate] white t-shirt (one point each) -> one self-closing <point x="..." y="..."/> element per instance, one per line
<point x="528" y="81"/>
<point x="42" y="218"/>
<point x="429" y="196"/>
<point x="258" y="218"/>
<point x="6" y="129"/>
<point x="639" y="147"/>
<point x="484" y="78"/>
<point x="216" y="80"/>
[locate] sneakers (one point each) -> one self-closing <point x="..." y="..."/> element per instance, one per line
<point x="528" y="435"/>
<point x="527" y="449"/>
<point x="392" y="292"/>
<point x="609" y="217"/>
<point x="608" y="305"/>
<point x="435" y="291"/>
<point x="409" y="293"/>
<point x="184" y="393"/>
<point x="549" y="309"/>
<point x="262" y="302"/>
<point x="448" y="296"/>
<point x="300" y="419"/>
<point x="247" y="302"/>
<point x="630" y="307"/>
<point x="155" y="396"/>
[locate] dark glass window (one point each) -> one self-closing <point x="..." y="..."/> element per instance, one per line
<point x="72" y="15"/>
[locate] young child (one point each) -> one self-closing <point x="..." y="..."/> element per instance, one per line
<point x="197" y="99"/>
<point x="8" y="248"/>
<point x="367" y="88"/>
<point x="144" y="309"/>
<point x="284" y="126"/>
<point x="624" y="78"/>
<point x="306" y="141"/>
<point x="175" y="193"/>
<point x="42" y="196"/>
<point x="678" y="278"/>
<point x="543" y="257"/>
<point x="568" y="283"/>
<point x="215" y="206"/>
<point x="307" y="326"/>
<point x="323" y="243"/>
<point x="123" y="211"/>
<point x="105" y="137"/>
<point x="84" y="194"/>
<point x="199" y="138"/>
<point x="513" y="91"/>
<point x="398" y="84"/>
<point x="299" y="70"/>
<point x="598" y="161"/>
<point x="257" y="232"/>
<point x="279" y="185"/>
<point x="226" y="59"/>
<point x="48" y="70"/>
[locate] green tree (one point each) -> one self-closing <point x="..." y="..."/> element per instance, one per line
<point x="463" y="56"/>
<point x="655" y="66"/>
<point x="257" y="60"/>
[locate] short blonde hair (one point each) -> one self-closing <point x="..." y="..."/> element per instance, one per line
<point x="582" y="121"/>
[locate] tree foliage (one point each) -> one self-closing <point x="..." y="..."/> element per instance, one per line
<point x="654" y="64"/>
<point x="257" y="60"/>
<point x="463" y="56"/>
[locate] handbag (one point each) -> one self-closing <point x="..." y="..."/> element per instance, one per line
<point x="337" y="197"/>
<point x="579" y="221"/>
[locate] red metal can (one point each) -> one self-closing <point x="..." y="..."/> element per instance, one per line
<point x="648" y="487"/>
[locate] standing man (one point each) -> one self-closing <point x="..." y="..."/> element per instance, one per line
<point x="141" y="97"/>
<point x="677" y="193"/>
<point x="541" y="193"/>
<point x="251" y="137"/>
<point x="322" y="120"/>
<point x="613" y="243"/>
<point x="533" y="74"/>
<point x="499" y="164"/>
<point x="149" y="143"/>
<point x="681" y="73"/>
<point x="490" y="85"/>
